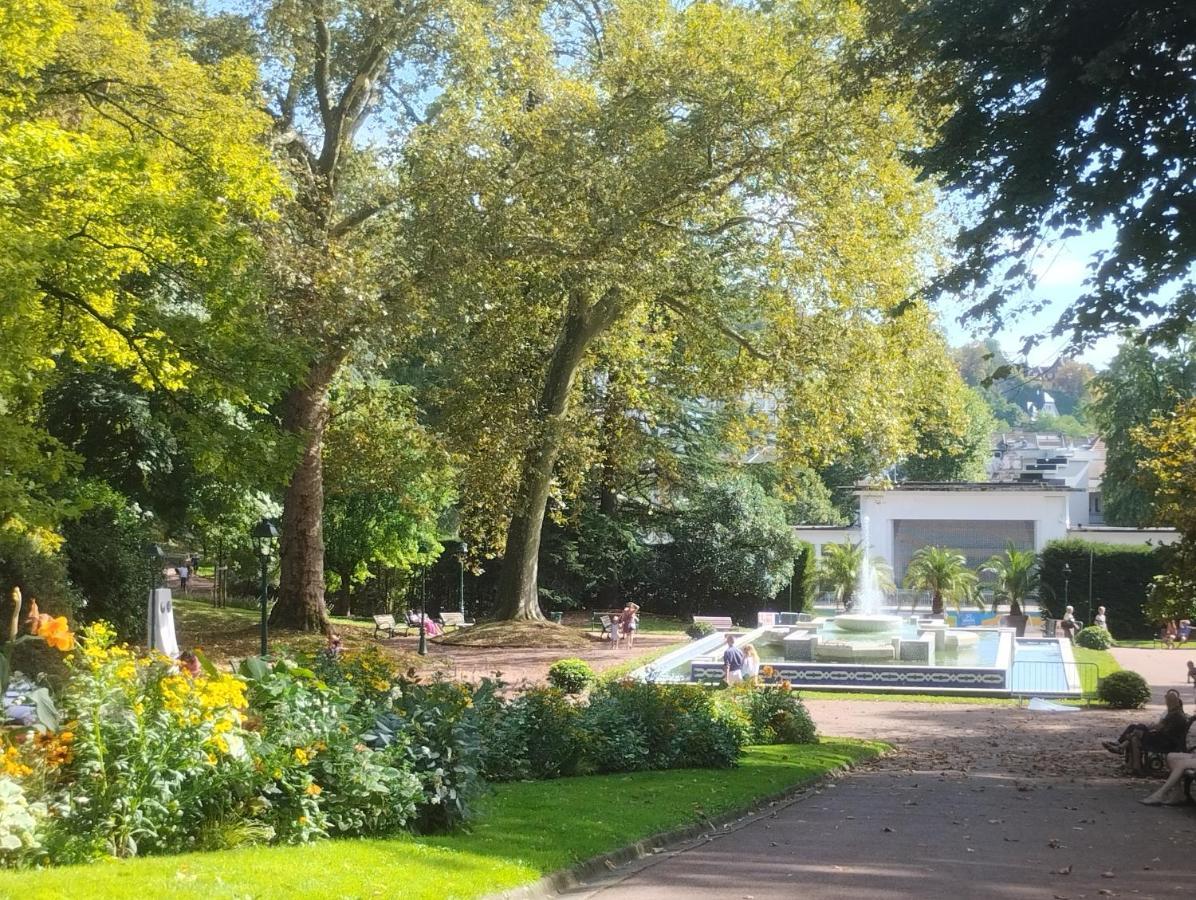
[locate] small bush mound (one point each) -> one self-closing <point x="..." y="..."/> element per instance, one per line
<point x="1124" y="690"/>
<point x="571" y="675"/>
<point x="1095" y="638"/>
<point x="699" y="630"/>
<point x="779" y="717"/>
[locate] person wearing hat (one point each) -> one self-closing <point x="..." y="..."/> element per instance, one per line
<point x="629" y="622"/>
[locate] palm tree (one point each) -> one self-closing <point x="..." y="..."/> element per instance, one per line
<point x="945" y="574"/>
<point x="1016" y="573"/>
<point x="839" y="571"/>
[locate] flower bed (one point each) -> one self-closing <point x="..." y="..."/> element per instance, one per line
<point x="145" y="756"/>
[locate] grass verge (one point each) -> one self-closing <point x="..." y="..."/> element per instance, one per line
<point x="614" y="673"/>
<point x="1104" y="664"/>
<point x="524" y="831"/>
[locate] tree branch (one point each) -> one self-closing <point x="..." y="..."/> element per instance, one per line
<point x="689" y="312"/>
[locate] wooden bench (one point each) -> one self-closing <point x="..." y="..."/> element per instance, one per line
<point x="385" y="624"/>
<point x="601" y="620"/>
<point x="454" y="619"/>
<point x="721" y="623"/>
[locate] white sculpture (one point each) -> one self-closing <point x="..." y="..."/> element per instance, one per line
<point x="160" y="623"/>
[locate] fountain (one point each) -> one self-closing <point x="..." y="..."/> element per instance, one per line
<point x="867" y="611"/>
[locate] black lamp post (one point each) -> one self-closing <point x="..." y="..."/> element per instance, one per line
<point x="154" y="554"/>
<point x="265" y="533"/>
<point x="423" y="604"/>
<point x="462" y="550"/>
<point x="1066" y="585"/>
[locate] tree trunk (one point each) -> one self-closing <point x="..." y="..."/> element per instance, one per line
<point x="518" y="594"/>
<point x="936" y="605"/>
<point x="301" y="582"/>
<point x="608" y="496"/>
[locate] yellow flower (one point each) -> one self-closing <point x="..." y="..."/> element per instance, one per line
<point x="302" y="755"/>
<point x="314" y="790"/>
<point x="380" y="685"/>
<point x="302" y="820"/>
<point x="12" y="765"/>
<point x="211" y="760"/>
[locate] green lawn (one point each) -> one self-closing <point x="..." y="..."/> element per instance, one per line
<point x="650" y="624"/>
<point x="1105" y="664"/>
<point x="524" y="831"/>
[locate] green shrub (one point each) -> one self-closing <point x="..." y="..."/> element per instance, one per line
<point x="533" y="736"/>
<point x="699" y="630"/>
<point x="778" y="716"/>
<point x="1124" y="690"/>
<point x="1094" y="638"/>
<point x="1120" y="575"/>
<point x="570" y="675"/>
<point x="610" y="741"/>
<point x="105" y="550"/>
<point x="20" y="822"/>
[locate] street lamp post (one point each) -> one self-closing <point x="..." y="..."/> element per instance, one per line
<point x="265" y="533"/>
<point x="462" y="550"/>
<point x="1066" y="586"/>
<point x="423" y="605"/>
<point x="155" y="555"/>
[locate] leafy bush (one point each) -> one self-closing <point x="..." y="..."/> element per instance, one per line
<point x="570" y="675"/>
<point x="1121" y="577"/>
<point x="20" y="822"/>
<point x="1124" y="690"/>
<point x="1094" y="638"/>
<point x="699" y="630"/>
<point x="778" y="716"/>
<point x="534" y="736"/>
<point x="106" y="560"/>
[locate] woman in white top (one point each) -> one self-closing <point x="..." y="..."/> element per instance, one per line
<point x="1099" y="619"/>
<point x="751" y="664"/>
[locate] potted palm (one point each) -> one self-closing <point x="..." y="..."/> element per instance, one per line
<point x="945" y="575"/>
<point x="1016" y="579"/>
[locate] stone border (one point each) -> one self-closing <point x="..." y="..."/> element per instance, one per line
<point x="671" y="839"/>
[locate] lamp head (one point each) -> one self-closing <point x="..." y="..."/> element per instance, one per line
<point x="265" y="533"/>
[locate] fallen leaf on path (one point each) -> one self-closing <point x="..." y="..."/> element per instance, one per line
<point x="1066" y="870"/>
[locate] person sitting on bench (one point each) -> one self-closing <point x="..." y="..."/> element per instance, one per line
<point x="1167" y="736"/>
<point x="1178" y="763"/>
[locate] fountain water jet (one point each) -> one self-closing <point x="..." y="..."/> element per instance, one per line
<point x="867" y="609"/>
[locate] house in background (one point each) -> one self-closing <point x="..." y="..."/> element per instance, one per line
<point x="1041" y="487"/>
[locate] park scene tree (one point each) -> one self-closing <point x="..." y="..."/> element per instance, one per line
<point x="452" y="428"/>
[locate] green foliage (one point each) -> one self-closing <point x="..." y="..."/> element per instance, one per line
<point x="1094" y="638"/>
<point x="106" y="560"/>
<point x="572" y="676"/>
<point x="1139" y="386"/>
<point x="952" y="437"/>
<point x="945" y="574"/>
<point x="39" y="573"/>
<point x="1124" y="690"/>
<point x="777" y="715"/>
<point x="735" y="544"/>
<point x="624" y="726"/>
<point x="1016" y="577"/>
<point x="698" y="630"/>
<point x="839" y="571"/>
<point x="20" y="824"/>
<point x="805" y="576"/>
<point x="1030" y="135"/>
<point x="1121" y="576"/>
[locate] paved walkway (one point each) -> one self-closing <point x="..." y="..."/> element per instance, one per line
<point x="978" y="802"/>
<point x="1162" y="669"/>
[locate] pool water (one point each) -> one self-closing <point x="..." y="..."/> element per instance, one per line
<point x="1039" y="668"/>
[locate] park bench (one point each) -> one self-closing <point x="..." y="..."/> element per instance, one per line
<point x="601" y="620"/>
<point x="722" y="623"/>
<point x="454" y="619"/>
<point x="385" y="623"/>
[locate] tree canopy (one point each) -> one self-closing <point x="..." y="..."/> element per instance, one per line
<point x="1060" y="119"/>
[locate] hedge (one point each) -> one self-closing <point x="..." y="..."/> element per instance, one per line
<point x="1121" y="576"/>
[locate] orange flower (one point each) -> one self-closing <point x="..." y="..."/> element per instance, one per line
<point x="56" y="632"/>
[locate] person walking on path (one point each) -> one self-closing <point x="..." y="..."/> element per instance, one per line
<point x="184" y="573"/>
<point x="732" y="662"/>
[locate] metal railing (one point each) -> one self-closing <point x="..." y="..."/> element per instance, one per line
<point x="1052" y="678"/>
